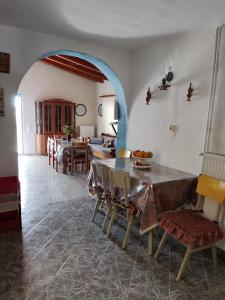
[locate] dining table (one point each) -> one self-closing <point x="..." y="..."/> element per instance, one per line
<point x="154" y="190"/>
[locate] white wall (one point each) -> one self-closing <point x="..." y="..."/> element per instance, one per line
<point x="25" y="48"/>
<point x="191" y="56"/>
<point x="103" y="125"/>
<point x="43" y="82"/>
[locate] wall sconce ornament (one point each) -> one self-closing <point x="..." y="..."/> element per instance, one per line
<point x="166" y="79"/>
<point x="164" y="85"/>
<point x="4" y="62"/>
<point x="169" y="75"/>
<point x="149" y="96"/>
<point x="190" y="92"/>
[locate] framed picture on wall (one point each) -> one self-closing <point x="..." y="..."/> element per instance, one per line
<point x="4" y="62"/>
<point x="2" y="108"/>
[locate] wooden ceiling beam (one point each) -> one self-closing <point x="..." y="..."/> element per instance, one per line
<point x="77" y="66"/>
<point x="59" y="65"/>
<point x="81" y="62"/>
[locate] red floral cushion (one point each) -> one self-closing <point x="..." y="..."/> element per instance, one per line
<point x="190" y="228"/>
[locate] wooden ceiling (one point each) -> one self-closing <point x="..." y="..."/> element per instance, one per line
<point x="76" y="66"/>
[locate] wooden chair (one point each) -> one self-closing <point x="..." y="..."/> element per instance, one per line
<point x="78" y="156"/>
<point x="101" y="179"/>
<point x="123" y="153"/>
<point x="192" y="229"/>
<point x="51" y="151"/>
<point x="122" y="206"/>
<point x="57" y="143"/>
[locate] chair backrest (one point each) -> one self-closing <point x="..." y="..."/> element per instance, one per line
<point x="123" y="153"/>
<point x="51" y="146"/>
<point x="120" y="180"/>
<point x="101" y="172"/>
<point x="212" y="188"/>
<point x="79" y="150"/>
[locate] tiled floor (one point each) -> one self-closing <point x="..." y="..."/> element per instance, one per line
<point x="62" y="255"/>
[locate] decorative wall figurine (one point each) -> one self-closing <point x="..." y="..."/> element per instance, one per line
<point x="166" y="79"/>
<point x="4" y="62"/>
<point x="2" y="108"/>
<point x="190" y="92"/>
<point x="149" y="96"/>
<point x="169" y="75"/>
<point x="164" y="85"/>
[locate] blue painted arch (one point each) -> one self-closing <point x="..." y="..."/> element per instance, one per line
<point x="116" y="83"/>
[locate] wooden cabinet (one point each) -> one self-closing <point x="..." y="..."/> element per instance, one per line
<point x="51" y="116"/>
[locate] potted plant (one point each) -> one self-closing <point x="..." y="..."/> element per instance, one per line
<point x="68" y="130"/>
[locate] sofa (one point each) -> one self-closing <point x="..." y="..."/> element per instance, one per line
<point x="103" y="147"/>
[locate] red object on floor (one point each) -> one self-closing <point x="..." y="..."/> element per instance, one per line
<point x="10" y="220"/>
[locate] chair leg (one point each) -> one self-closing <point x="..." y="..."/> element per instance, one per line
<point x="150" y="242"/>
<point x="98" y="202"/>
<point x="127" y="232"/>
<point x="111" y="221"/>
<point x="184" y="264"/>
<point x="161" y="245"/>
<point x="56" y="166"/>
<point x="214" y="256"/>
<point x="106" y="219"/>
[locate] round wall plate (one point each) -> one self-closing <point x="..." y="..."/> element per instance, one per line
<point x="80" y="110"/>
<point x="100" y="110"/>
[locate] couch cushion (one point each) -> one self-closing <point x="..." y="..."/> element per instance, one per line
<point x="97" y="141"/>
<point x="100" y="148"/>
<point x="190" y="228"/>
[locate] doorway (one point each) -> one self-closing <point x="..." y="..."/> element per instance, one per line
<point x="19" y="124"/>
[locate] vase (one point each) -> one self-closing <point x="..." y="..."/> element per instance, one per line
<point x="68" y="137"/>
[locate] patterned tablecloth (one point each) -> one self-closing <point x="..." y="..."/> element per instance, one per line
<point x="156" y="190"/>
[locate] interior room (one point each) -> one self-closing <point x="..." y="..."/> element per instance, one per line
<point x="112" y="157"/>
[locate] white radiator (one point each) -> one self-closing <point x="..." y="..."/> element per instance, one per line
<point x="214" y="165"/>
<point x="87" y="131"/>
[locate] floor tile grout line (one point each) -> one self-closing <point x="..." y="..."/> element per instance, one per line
<point x="38" y="224"/>
<point x="46" y="244"/>
<point x="135" y="261"/>
<point x="63" y="264"/>
<point x="107" y="245"/>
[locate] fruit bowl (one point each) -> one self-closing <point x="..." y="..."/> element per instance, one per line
<point x="142" y="155"/>
<point x="141" y="164"/>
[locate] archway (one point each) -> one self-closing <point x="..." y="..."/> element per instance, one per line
<point x="116" y="83"/>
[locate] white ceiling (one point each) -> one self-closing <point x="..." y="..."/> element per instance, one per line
<point x="126" y="24"/>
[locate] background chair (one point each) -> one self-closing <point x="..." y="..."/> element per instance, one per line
<point x="51" y="149"/>
<point x="121" y="205"/>
<point x="123" y="153"/>
<point x="101" y="179"/>
<point x="78" y="155"/>
<point x="192" y="229"/>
